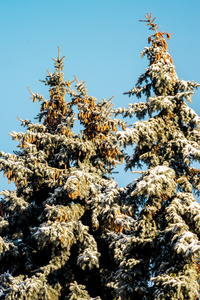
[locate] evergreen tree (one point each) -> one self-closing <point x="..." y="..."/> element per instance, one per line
<point x="159" y="258"/>
<point x="50" y="244"/>
<point x="68" y="231"/>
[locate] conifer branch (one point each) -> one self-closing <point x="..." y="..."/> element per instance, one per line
<point x="37" y="96"/>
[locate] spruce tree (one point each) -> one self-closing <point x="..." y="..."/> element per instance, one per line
<point x="51" y="244"/>
<point x="68" y="231"/>
<point x="159" y="257"/>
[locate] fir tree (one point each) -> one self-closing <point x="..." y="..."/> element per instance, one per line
<point x="68" y="231"/>
<point x="50" y="244"/>
<point x="159" y="258"/>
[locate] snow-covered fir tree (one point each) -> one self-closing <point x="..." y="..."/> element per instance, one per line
<point x="68" y="231"/>
<point x="159" y="258"/>
<point x="51" y="244"/>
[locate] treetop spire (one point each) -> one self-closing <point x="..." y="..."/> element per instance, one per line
<point x="154" y="26"/>
<point x="59" y="63"/>
<point x="159" y="43"/>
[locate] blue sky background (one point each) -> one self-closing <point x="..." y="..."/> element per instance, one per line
<point x="101" y="40"/>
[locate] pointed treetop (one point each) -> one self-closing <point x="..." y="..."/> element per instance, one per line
<point x="158" y="35"/>
<point x="55" y="109"/>
<point x="159" y="49"/>
<point x="150" y="22"/>
<point x="161" y="72"/>
<point x="153" y="26"/>
<point x="59" y="64"/>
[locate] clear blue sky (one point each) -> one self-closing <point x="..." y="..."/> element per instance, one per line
<point x="101" y="40"/>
